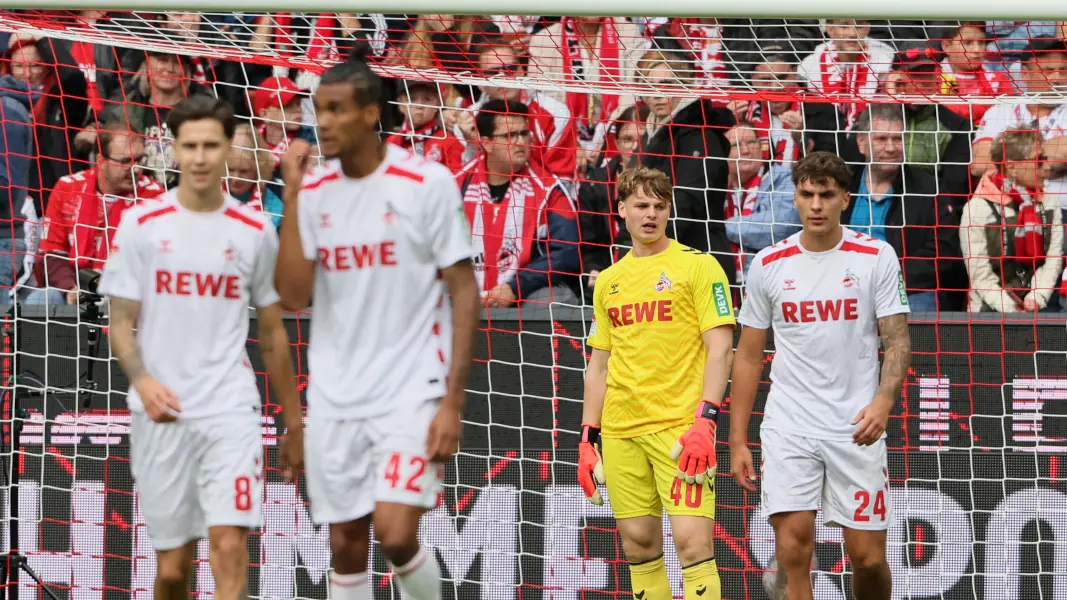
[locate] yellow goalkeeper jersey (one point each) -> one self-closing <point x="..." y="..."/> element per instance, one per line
<point x="650" y="313"/>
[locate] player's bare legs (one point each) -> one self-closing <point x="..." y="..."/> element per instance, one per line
<point x="416" y="568"/>
<point x="694" y="539"/>
<point x="642" y="541"/>
<point x="871" y="578"/>
<point x="350" y="551"/>
<point x="794" y="545"/>
<point x="229" y="561"/>
<point x="173" y="570"/>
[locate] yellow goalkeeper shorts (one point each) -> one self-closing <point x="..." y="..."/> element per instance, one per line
<point x="642" y="479"/>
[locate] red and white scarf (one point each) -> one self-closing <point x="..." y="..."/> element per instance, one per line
<point x="415" y="139"/>
<point x="277" y="151"/>
<point x="743" y="202"/>
<point x="588" y="116"/>
<point x="776" y="139"/>
<point x="254" y="201"/>
<point x="850" y="80"/>
<point x="502" y="233"/>
<point x="1029" y="238"/>
<point x="703" y="42"/>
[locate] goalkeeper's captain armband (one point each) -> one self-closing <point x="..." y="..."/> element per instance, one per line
<point x="695" y="450"/>
<point x="590" y="468"/>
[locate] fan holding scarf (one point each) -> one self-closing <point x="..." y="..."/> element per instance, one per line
<point x="1012" y="242"/>
<point x="523" y="225"/>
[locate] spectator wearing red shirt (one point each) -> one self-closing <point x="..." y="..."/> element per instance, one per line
<point x="84" y="211"/>
<point x="423" y="131"/>
<point x="555" y="135"/>
<point x="964" y="71"/>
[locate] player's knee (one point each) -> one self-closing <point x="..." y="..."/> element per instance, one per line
<point x="350" y="546"/>
<point x="867" y="559"/>
<point x="229" y="548"/>
<point x="173" y="572"/>
<point x="642" y="544"/>
<point x="693" y="549"/>
<point x="794" y="544"/>
<point x="399" y="543"/>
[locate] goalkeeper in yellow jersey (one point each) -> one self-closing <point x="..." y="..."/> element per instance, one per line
<point x="662" y="338"/>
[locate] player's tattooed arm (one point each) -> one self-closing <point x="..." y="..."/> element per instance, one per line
<point x="123" y="319"/>
<point x="897" y="342"/>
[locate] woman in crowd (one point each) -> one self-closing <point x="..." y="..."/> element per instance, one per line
<point x="604" y="239"/>
<point x="161" y="82"/>
<point x="251" y="168"/>
<point x="1012" y="239"/>
<point x="59" y="110"/>
<point x="685" y="138"/>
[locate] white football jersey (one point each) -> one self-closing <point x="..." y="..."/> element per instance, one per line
<point x="381" y="324"/>
<point x="195" y="275"/>
<point x="824" y="309"/>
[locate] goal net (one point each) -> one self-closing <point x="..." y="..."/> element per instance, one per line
<point x="929" y="115"/>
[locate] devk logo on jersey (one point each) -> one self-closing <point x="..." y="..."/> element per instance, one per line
<point x="640" y="312"/>
<point x="810" y="311"/>
<point x="187" y="283"/>
<point x="347" y="258"/>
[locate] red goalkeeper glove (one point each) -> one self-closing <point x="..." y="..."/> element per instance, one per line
<point x="695" y="450"/>
<point x="590" y="469"/>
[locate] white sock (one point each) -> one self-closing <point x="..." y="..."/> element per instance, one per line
<point x="353" y="586"/>
<point x="420" y="579"/>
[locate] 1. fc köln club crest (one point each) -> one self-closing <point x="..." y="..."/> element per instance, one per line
<point x="664" y="283"/>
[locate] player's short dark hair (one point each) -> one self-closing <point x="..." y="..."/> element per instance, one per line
<point x="370" y="89"/>
<point x="821" y="168"/>
<point x="200" y="107"/>
<point x="356" y="71"/>
<point x="652" y="182"/>
<point x="485" y="122"/>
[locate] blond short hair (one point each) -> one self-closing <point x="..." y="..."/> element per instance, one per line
<point x="1015" y="145"/>
<point x="680" y="70"/>
<point x="652" y="182"/>
<point x="246" y="140"/>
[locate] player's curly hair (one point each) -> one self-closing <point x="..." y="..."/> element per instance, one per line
<point x="652" y="182"/>
<point x="821" y="168"/>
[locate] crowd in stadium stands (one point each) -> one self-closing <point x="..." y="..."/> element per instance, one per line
<point x="970" y="195"/>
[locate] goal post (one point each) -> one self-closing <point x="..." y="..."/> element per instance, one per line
<point x="975" y="444"/>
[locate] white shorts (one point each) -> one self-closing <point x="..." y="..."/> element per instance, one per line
<point x="351" y="465"/>
<point x="851" y="481"/>
<point x="196" y="474"/>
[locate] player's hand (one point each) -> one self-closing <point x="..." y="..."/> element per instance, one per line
<point x="590" y="467"/>
<point x="295" y="162"/>
<point x="293" y="452"/>
<point x="695" y="450"/>
<point x="741" y="467"/>
<point x="871" y="422"/>
<point x="443" y="438"/>
<point x="160" y="403"/>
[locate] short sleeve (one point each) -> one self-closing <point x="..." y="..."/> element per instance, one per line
<point x="993" y="124"/>
<point x="449" y="233"/>
<point x="263" y="292"/>
<point x="124" y="271"/>
<point x="756" y="308"/>
<point x="711" y="293"/>
<point x="306" y="219"/>
<point x="600" y="330"/>
<point x="890" y="295"/>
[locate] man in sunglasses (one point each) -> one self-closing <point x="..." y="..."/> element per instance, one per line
<point x="554" y="136"/>
<point x="84" y="210"/>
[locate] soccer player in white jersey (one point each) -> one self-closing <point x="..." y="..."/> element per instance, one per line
<point x="183" y="272"/>
<point x="369" y="237"/>
<point x="826" y="292"/>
